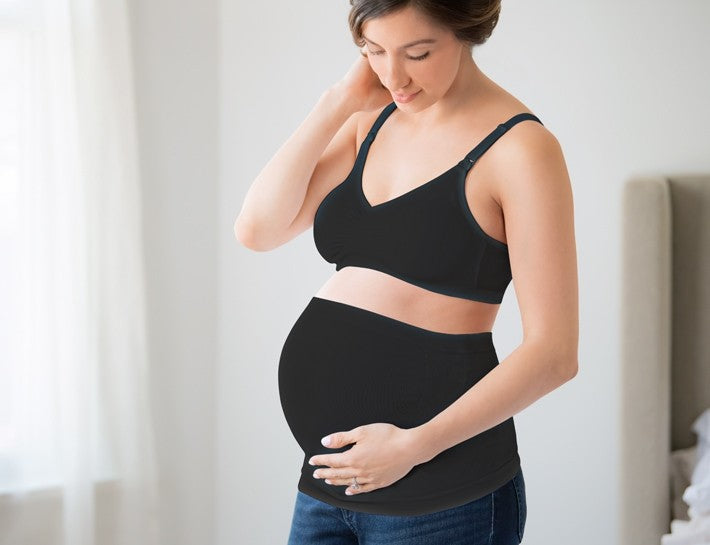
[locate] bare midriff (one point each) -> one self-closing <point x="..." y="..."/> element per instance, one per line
<point x="395" y="298"/>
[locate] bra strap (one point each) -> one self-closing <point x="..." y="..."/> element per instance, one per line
<point x="384" y="114"/>
<point x="499" y="131"/>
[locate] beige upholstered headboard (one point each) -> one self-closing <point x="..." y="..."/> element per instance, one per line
<point x="665" y="341"/>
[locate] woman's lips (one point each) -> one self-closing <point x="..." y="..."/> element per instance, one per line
<point x="406" y="98"/>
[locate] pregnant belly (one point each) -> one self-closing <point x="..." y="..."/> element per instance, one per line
<point x="342" y="367"/>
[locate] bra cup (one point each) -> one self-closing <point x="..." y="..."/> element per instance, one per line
<point x="426" y="236"/>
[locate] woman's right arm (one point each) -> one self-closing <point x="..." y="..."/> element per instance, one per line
<point x="282" y="200"/>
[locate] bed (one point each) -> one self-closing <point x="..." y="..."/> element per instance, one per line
<point x="665" y="342"/>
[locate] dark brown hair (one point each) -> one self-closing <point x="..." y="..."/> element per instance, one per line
<point x="471" y="21"/>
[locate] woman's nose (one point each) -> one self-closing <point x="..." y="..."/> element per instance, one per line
<point x="395" y="77"/>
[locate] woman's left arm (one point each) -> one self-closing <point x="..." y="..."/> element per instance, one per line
<point x="535" y="194"/>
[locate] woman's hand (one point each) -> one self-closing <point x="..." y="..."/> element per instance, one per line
<point x="383" y="454"/>
<point x="363" y="86"/>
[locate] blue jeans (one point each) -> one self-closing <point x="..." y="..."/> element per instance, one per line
<point x="495" y="519"/>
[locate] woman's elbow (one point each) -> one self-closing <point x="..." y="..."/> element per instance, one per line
<point x="245" y="233"/>
<point x="566" y="364"/>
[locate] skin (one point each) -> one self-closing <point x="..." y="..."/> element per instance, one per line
<point x="456" y="107"/>
<point x="524" y="175"/>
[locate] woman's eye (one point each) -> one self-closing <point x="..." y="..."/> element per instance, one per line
<point x="419" y="58"/>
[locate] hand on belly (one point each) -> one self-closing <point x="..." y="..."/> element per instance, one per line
<point x="381" y="455"/>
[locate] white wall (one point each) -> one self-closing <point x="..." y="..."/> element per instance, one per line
<point x="623" y="87"/>
<point x="176" y="58"/>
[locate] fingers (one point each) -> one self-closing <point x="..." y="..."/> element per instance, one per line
<point x="340" y="480"/>
<point x="363" y="489"/>
<point x="340" y="476"/>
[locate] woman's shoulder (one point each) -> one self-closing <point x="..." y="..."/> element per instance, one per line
<point x="500" y="107"/>
<point x="525" y="155"/>
<point x="526" y="135"/>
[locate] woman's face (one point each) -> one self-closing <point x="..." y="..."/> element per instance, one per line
<point x="417" y="74"/>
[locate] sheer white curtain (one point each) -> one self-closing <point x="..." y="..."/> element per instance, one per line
<point x="77" y="461"/>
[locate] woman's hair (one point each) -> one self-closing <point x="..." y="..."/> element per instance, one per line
<point x="471" y="21"/>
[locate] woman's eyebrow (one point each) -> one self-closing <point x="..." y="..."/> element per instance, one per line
<point x="410" y="44"/>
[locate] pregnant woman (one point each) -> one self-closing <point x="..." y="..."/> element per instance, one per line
<point x="430" y="188"/>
